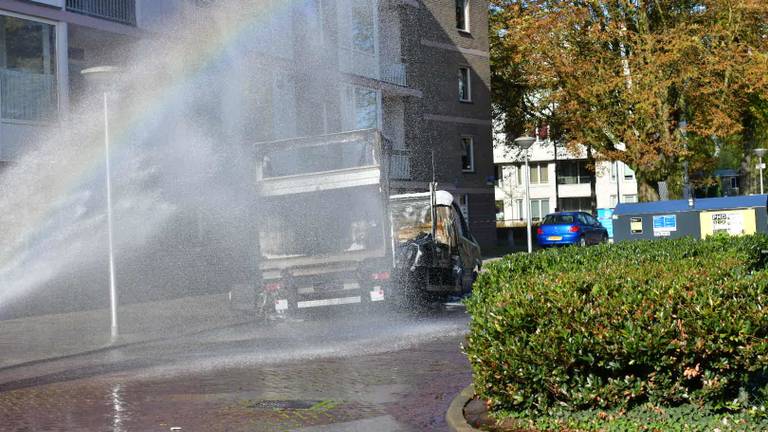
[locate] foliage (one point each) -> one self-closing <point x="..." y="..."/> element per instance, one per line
<point x="648" y="417"/>
<point x="610" y="327"/>
<point x="651" y="83"/>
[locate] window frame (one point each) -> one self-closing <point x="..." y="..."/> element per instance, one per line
<point x="56" y="71"/>
<point x="538" y="168"/>
<point x="465" y="13"/>
<point x="471" y="152"/>
<point x="538" y="204"/>
<point x="468" y="86"/>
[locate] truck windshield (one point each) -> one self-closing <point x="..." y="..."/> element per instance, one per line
<point x="319" y="223"/>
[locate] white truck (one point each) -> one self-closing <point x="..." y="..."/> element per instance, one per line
<point x="330" y="234"/>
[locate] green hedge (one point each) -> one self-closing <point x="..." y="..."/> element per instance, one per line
<point x="612" y="326"/>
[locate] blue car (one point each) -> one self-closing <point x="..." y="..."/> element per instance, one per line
<point x="570" y="228"/>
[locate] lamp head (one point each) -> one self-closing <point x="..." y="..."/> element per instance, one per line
<point x="760" y="152"/>
<point x="525" y="142"/>
<point x="102" y="77"/>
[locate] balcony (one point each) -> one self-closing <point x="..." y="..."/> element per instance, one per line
<point x="358" y="62"/>
<point x="395" y="74"/>
<point x="400" y="165"/>
<point x="120" y="11"/>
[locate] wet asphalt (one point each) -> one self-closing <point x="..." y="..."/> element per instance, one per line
<point x="345" y="371"/>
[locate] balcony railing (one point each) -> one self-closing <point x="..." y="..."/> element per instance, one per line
<point x="121" y="11"/>
<point x="400" y="165"/>
<point x="394" y="74"/>
<point x="358" y="62"/>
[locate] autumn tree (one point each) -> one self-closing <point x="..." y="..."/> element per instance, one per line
<point x="657" y="84"/>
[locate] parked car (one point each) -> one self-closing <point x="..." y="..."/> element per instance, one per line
<point x="570" y="228"/>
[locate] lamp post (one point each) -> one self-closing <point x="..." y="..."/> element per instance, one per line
<point x="103" y="78"/>
<point x="760" y="152"/>
<point x="525" y="142"/>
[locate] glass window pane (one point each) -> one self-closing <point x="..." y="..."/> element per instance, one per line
<point x="366" y="108"/>
<point x="463" y="84"/>
<point x="461" y="19"/>
<point x="362" y="26"/>
<point x="534" y="170"/>
<point x="467" y="163"/>
<point x="27" y="70"/>
<point x="543" y="174"/>
<point x="535" y="210"/>
<point x="544" y="207"/>
<point x="629" y="173"/>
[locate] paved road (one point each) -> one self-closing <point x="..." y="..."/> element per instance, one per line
<point x="371" y="372"/>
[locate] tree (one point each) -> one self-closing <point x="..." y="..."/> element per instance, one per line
<point x="657" y="84"/>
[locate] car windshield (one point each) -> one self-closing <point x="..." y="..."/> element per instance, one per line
<point x="559" y="219"/>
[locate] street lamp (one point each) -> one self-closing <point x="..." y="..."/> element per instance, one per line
<point x="103" y="78"/>
<point x="525" y="142"/>
<point x="760" y="152"/>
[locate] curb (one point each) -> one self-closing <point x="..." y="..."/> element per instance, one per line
<point x="455" y="415"/>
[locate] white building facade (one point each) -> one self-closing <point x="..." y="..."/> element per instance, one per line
<point x="561" y="182"/>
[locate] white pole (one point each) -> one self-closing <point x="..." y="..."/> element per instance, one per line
<point x="112" y="288"/>
<point x="761" y="175"/>
<point x="528" y="201"/>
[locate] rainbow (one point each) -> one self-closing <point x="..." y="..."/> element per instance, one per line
<point x="202" y="57"/>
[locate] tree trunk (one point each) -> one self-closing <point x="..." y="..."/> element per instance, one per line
<point x="592" y="181"/>
<point x="647" y="191"/>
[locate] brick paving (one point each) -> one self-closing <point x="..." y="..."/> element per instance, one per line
<point x="405" y="390"/>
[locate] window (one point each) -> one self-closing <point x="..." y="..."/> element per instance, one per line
<point x="284" y="101"/>
<point x="629" y="173"/>
<point x="27" y="70"/>
<point x="573" y="172"/>
<point x="519" y="209"/>
<point x="519" y="175"/>
<point x="629" y="198"/>
<point x="582" y="204"/>
<point x="363" y="26"/>
<point x="361" y="108"/>
<point x="462" y="15"/>
<point x="499" y="210"/>
<point x="498" y="175"/>
<point x="312" y="13"/>
<point x="539" y="174"/>
<point x="465" y="82"/>
<point x="539" y="208"/>
<point x="467" y="154"/>
<point x="614" y="201"/>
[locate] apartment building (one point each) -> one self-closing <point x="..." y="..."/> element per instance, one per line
<point x="416" y="69"/>
<point x="559" y="181"/>
<point x="448" y="125"/>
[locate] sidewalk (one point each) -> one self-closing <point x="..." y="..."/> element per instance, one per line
<point x="31" y="339"/>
